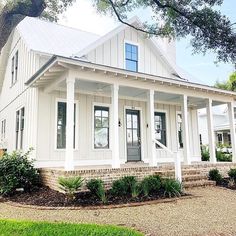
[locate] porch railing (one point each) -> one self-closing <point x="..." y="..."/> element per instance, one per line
<point x="176" y="157"/>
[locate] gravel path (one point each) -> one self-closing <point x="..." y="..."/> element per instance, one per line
<point x="213" y="214"/>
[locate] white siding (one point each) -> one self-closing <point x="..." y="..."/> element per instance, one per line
<point x="111" y="53"/>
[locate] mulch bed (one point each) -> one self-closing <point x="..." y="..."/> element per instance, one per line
<point x="47" y="197"/>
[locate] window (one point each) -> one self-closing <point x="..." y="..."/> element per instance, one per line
<point x="20" y="124"/>
<point x="220" y="138"/>
<point x="61" y="125"/>
<point x="131" y="57"/>
<point x="101" y="127"/>
<point x="3" y="129"/>
<point x="160" y="127"/>
<point x="180" y="130"/>
<point x="14" y="68"/>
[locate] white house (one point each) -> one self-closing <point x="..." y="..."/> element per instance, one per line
<point x="220" y="123"/>
<point x="83" y="100"/>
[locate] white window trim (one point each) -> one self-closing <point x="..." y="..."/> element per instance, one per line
<point x="110" y="122"/>
<point x="177" y="138"/>
<point x="142" y="126"/>
<point x="76" y="125"/>
<point x="167" y="127"/>
<point x="133" y="43"/>
<point x="19" y="109"/>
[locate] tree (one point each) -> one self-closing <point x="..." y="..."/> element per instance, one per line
<point x="229" y="84"/>
<point x="14" y="11"/>
<point x="208" y="27"/>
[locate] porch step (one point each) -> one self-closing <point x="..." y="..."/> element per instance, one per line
<point x="196" y="177"/>
<point x="198" y="183"/>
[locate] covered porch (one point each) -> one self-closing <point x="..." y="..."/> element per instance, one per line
<point x="134" y="107"/>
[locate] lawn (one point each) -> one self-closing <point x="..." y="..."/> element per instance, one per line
<point x="27" y="228"/>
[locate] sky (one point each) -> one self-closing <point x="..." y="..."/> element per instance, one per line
<point x="83" y="15"/>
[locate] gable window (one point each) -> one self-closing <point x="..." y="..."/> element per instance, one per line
<point x="180" y="131"/>
<point x="160" y="127"/>
<point x="20" y="125"/>
<point x="61" y="125"/>
<point x="14" y="68"/>
<point x="101" y="127"/>
<point x="131" y="57"/>
<point x="3" y="129"/>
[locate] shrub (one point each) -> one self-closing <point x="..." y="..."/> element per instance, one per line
<point x="17" y="171"/>
<point x="70" y="185"/>
<point x="96" y="187"/>
<point x="205" y="153"/>
<point x="223" y="157"/>
<point x="126" y="186"/>
<point x="150" y="184"/>
<point x="171" y="187"/>
<point x="215" y="175"/>
<point x="232" y="174"/>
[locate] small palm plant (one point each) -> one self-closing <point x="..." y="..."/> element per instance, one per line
<point x="70" y="185"/>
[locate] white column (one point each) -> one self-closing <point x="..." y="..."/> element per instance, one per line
<point x="115" y="126"/>
<point x="151" y="129"/>
<point x="186" y="146"/>
<point x="69" y="160"/>
<point x="211" y="135"/>
<point x="232" y="130"/>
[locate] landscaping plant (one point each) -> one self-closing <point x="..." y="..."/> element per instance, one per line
<point x="171" y="187"/>
<point x="205" y="153"/>
<point x="150" y="185"/>
<point x="215" y="175"/>
<point x="126" y="186"/>
<point x="70" y="185"/>
<point x="96" y="187"/>
<point x="17" y="172"/>
<point x="232" y="175"/>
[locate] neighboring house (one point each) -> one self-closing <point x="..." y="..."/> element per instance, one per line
<point x="221" y="125"/>
<point x="80" y="99"/>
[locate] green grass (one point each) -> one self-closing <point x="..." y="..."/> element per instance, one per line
<point x="27" y="228"/>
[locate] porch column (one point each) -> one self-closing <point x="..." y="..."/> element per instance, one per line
<point x="184" y="108"/>
<point x="151" y="128"/>
<point x="232" y="130"/>
<point x="115" y="126"/>
<point x="211" y="135"/>
<point x="69" y="160"/>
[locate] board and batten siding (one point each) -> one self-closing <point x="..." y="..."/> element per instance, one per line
<point x="85" y="153"/>
<point x="13" y="97"/>
<point x="111" y="53"/>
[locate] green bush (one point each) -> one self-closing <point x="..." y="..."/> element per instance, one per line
<point x="96" y="187"/>
<point x="126" y="186"/>
<point x="70" y="185"/>
<point x="205" y="153"/>
<point x="223" y="157"/>
<point x="232" y="174"/>
<point x="17" y="171"/>
<point x="150" y="184"/>
<point x="215" y="175"/>
<point x="171" y="187"/>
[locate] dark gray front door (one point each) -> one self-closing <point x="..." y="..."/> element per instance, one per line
<point x="133" y="138"/>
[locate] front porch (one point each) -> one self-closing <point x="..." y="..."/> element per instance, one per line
<point x="134" y="107"/>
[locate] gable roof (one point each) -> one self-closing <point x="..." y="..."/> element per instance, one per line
<point x="136" y="22"/>
<point x="51" y="38"/>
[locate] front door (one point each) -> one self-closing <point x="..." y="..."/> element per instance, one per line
<point x="133" y="138"/>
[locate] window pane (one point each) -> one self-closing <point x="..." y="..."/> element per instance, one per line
<point x="128" y="55"/>
<point x="129" y="121"/>
<point x="104" y="113"/>
<point x="129" y="137"/>
<point x="61" y="125"/>
<point x="98" y="112"/>
<point x="101" y="138"/>
<point x="135" y="122"/>
<point x="128" y="47"/>
<point x="131" y="65"/>
<point x="105" y="122"/>
<point x="135" y="137"/>
<point x="134" y="49"/>
<point x="98" y="122"/>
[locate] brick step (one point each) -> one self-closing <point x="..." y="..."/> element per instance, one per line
<point x="193" y="184"/>
<point x="187" y="178"/>
<point x="184" y="172"/>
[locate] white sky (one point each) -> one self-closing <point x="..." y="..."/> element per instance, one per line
<point x="83" y="15"/>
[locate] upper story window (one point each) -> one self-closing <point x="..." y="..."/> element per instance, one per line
<point x="14" y="68"/>
<point x="131" y="57"/>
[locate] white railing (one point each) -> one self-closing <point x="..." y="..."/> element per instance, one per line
<point x="176" y="157"/>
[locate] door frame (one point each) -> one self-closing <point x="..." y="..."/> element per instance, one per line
<point x="141" y="131"/>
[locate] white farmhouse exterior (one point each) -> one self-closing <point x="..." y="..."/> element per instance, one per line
<point x="83" y="100"/>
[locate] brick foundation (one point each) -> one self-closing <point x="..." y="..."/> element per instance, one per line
<point x="50" y="176"/>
